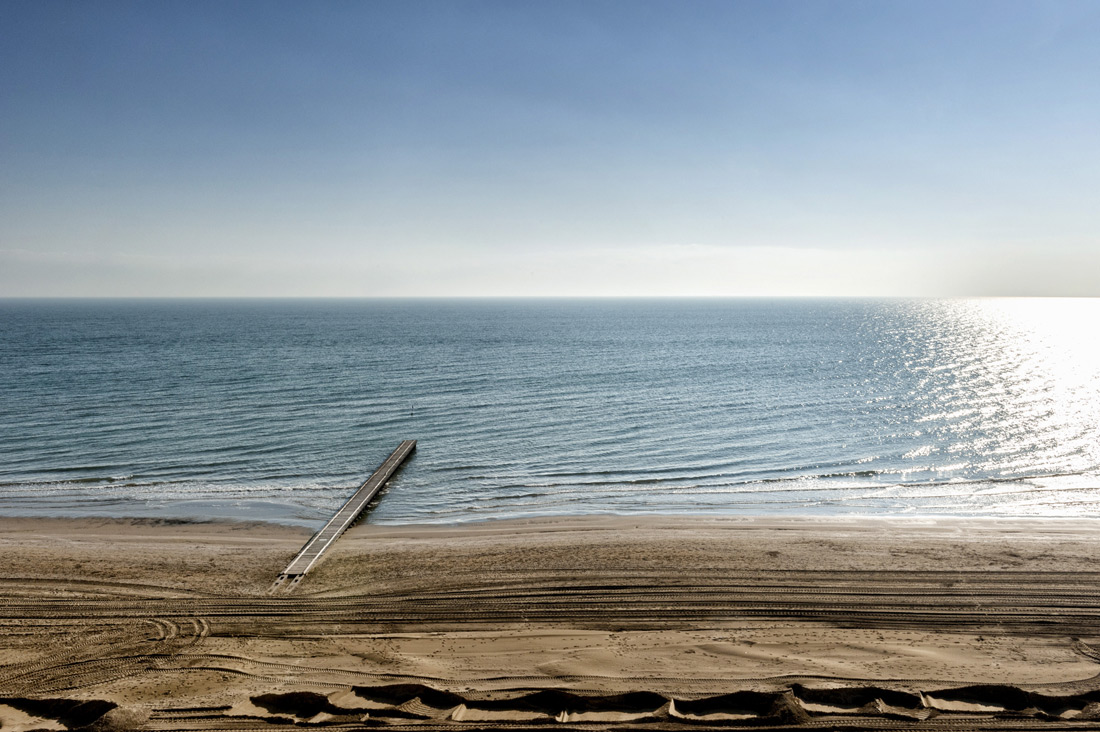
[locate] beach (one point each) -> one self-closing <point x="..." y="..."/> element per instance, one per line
<point x="647" y="621"/>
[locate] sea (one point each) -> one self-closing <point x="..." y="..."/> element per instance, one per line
<point x="276" y="410"/>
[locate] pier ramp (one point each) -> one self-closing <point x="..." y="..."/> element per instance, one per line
<point x="348" y="514"/>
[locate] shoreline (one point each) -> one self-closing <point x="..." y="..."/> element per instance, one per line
<point x="930" y="522"/>
<point x="944" y="521"/>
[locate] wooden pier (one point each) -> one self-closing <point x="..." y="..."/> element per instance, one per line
<point x="342" y="519"/>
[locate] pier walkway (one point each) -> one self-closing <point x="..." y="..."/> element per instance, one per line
<point x="343" y="519"/>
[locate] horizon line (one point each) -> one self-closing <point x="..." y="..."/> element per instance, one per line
<point x="257" y="298"/>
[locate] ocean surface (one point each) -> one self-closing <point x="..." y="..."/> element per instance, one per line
<point x="277" y="410"/>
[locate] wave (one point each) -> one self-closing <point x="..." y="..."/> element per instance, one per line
<point x="890" y="406"/>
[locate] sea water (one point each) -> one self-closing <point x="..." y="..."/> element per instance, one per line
<point x="277" y="410"/>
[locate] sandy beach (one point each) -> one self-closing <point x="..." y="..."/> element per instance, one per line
<point x="649" y="622"/>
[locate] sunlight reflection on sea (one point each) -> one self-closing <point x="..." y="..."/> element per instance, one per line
<point x="828" y="407"/>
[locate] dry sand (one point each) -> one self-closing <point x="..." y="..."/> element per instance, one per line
<point x="647" y="622"/>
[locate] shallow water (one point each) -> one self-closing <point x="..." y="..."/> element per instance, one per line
<point x="278" y="409"/>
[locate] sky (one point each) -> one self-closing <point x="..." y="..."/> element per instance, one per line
<point x="525" y="147"/>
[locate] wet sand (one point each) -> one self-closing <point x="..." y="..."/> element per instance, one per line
<point x="652" y="622"/>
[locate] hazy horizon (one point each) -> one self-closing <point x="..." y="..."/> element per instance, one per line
<point x="429" y="298"/>
<point x="568" y="149"/>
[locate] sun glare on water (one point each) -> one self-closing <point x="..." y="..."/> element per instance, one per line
<point x="1033" y="368"/>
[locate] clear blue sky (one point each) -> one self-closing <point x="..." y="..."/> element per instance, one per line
<point x="549" y="148"/>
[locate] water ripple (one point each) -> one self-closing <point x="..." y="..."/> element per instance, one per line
<point x="975" y="407"/>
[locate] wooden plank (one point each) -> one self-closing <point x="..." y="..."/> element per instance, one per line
<point x="346" y="516"/>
